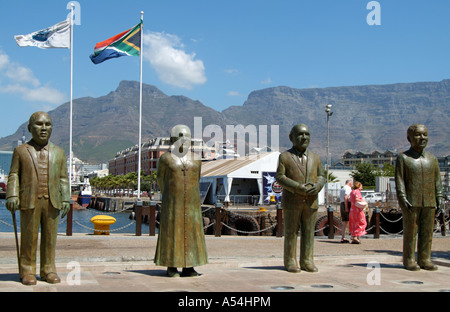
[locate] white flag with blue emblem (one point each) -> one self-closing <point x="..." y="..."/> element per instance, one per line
<point x="57" y="36"/>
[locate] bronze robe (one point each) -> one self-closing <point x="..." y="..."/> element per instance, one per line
<point x="181" y="239"/>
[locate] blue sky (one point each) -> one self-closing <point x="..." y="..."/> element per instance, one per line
<point x="218" y="51"/>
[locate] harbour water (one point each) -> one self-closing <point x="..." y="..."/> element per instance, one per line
<point x="81" y="221"/>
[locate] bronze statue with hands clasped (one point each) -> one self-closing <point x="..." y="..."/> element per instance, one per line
<point x="301" y="175"/>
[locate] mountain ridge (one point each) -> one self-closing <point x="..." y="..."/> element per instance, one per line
<point x="365" y="118"/>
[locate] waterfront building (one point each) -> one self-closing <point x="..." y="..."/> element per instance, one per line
<point x="81" y="169"/>
<point x="378" y="159"/>
<point x="126" y="160"/>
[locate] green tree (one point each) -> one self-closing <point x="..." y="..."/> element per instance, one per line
<point x="331" y="177"/>
<point x="364" y="173"/>
<point x="388" y="170"/>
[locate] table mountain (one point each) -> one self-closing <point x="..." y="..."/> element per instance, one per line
<point x="365" y="118"/>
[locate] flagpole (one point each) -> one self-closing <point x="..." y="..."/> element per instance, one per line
<point x="71" y="97"/>
<point x="140" y="107"/>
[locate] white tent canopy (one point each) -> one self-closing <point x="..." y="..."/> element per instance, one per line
<point x="247" y="169"/>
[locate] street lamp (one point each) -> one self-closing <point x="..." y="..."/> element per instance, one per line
<point x="329" y="113"/>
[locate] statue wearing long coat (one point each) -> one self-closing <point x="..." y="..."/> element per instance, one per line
<point x="181" y="240"/>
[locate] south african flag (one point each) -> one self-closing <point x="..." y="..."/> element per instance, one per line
<point x="127" y="43"/>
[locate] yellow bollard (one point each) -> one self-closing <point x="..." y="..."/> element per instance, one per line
<point x="102" y="223"/>
<point x="272" y="199"/>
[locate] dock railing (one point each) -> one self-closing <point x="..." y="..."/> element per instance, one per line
<point x="383" y="219"/>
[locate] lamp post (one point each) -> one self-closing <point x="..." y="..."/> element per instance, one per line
<point x="329" y="113"/>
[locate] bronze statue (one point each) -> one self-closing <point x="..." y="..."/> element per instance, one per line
<point x="181" y="240"/>
<point x="38" y="185"/>
<point x="301" y="175"/>
<point x="419" y="192"/>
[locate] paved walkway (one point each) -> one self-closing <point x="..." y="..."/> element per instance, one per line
<point x="237" y="264"/>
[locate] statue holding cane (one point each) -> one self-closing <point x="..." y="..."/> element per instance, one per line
<point x="38" y="186"/>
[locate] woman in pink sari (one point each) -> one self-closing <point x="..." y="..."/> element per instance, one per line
<point x="357" y="217"/>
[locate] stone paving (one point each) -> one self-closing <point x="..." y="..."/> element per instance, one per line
<point x="237" y="264"/>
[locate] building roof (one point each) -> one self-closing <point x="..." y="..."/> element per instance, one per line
<point x="241" y="166"/>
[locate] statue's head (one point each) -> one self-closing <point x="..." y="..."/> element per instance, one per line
<point x="300" y="137"/>
<point x="180" y="132"/>
<point x="180" y="137"/>
<point x="417" y="135"/>
<point x="40" y="127"/>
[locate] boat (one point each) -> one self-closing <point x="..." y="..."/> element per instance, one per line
<point x="2" y="189"/>
<point x="85" y="195"/>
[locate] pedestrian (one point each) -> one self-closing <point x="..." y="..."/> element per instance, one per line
<point x="357" y="217"/>
<point x="344" y="197"/>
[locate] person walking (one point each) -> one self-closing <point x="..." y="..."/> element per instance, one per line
<point x="357" y="217"/>
<point x="344" y="198"/>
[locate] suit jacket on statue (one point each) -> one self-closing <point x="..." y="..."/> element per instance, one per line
<point x="418" y="178"/>
<point x="290" y="174"/>
<point x="23" y="176"/>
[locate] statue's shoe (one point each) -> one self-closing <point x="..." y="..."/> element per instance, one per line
<point x="189" y="272"/>
<point x="310" y="268"/>
<point x="51" y="278"/>
<point x="172" y="272"/>
<point x="411" y="266"/>
<point x="29" y="280"/>
<point x="428" y="266"/>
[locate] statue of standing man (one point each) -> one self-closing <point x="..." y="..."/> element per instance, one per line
<point x="181" y="239"/>
<point x="419" y="192"/>
<point x="301" y="175"/>
<point x="38" y="185"/>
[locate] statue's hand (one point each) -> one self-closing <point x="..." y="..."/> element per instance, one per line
<point x="12" y="204"/>
<point x="301" y="189"/>
<point x="65" y="209"/>
<point x="314" y="188"/>
<point x="404" y="203"/>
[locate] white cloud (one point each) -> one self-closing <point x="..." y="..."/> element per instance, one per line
<point x="231" y="71"/>
<point x="267" y="81"/>
<point x="4" y="60"/>
<point x="234" y="93"/>
<point x="172" y="64"/>
<point x="21" y="74"/>
<point x="21" y="80"/>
